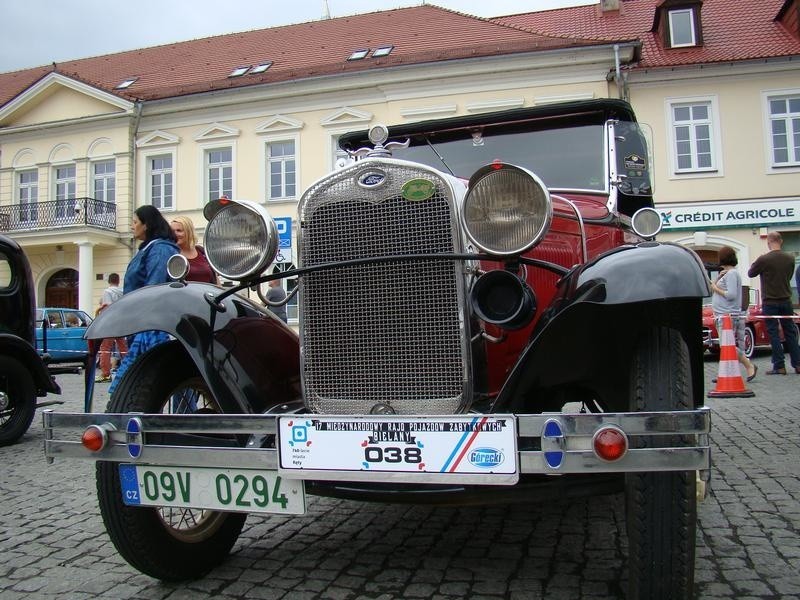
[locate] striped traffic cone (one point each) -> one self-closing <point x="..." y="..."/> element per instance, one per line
<point x="729" y="381"/>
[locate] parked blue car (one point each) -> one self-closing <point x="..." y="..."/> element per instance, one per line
<point x="59" y="333"/>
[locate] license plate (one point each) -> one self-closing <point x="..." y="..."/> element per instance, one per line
<point x="469" y="449"/>
<point x="234" y="490"/>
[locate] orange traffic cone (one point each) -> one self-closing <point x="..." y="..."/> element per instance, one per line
<point x="729" y="381"/>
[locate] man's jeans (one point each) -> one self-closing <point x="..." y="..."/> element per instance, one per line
<point x="789" y="334"/>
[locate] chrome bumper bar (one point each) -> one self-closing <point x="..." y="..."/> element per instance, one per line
<point x="571" y="443"/>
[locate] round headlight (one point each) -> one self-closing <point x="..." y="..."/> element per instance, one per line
<point x="646" y="222"/>
<point x="177" y="266"/>
<point x="241" y="239"/>
<point x="507" y="209"/>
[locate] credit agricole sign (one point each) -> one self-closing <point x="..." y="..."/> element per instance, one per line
<point x="755" y="213"/>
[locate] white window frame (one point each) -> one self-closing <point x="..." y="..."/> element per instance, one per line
<point x="672" y="16"/>
<point x="100" y="182"/>
<point x="209" y="171"/>
<point x="266" y="171"/>
<point x="792" y="166"/>
<point x="149" y="177"/>
<point x="715" y="169"/>
<point x="65" y="192"/>
<point x="28" y="210"/>
<point x="336" y="154"/>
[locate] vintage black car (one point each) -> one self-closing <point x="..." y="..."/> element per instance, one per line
<point x="24" y="375"/>
<point x="463" y="286"/>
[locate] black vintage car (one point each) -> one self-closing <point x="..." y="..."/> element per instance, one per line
<point x="463" y="287"/>
<point x="24" y="376"/>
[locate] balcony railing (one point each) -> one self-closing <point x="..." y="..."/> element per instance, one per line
<point x="55" y="214"/>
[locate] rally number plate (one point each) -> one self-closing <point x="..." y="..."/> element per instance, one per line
<point x="465" y="449"/>
<point x="234" y="490"/>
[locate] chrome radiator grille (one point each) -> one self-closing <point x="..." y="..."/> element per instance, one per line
<point x="381" y="333"/>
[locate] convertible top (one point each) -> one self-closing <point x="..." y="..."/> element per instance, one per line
<point x="598" y="110"/>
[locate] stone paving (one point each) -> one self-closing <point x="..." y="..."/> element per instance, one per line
<point x="53" y="544"/>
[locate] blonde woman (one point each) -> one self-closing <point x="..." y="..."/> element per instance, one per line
<point x="199" y="269"/>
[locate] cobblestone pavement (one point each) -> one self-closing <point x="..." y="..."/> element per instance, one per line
<point x="53" y="544"/>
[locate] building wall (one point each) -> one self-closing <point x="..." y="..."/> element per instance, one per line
<point x="745" y="198"/>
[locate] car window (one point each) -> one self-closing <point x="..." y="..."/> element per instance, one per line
<point x="73" y="319"/>
<point x="5" y="272"/>
<point x="55" y="318"/>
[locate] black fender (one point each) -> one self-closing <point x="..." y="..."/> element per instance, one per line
<point x="248" y="357"/>
<point x="12" y="345"/>
<point x="582" y="345"/>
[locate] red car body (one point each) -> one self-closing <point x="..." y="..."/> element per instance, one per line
<point x="755" y="333"/>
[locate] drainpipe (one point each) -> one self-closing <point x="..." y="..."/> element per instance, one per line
<point x="134" y="131"/>
<point x="617" y="78"/>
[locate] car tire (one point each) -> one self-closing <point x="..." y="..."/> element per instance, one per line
<point x="171" y="544"/>
<point x="17" y="400"/>
<point x="661" y="507"/>
<point x="749" y="342"/>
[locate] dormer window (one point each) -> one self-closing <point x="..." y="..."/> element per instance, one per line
<point x="681" y="28"/>
<point x="678" y="24"/>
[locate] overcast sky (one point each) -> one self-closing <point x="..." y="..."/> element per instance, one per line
<point x="39" y="32"/>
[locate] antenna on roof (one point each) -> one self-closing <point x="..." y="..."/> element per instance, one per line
<point x="326" y="12"/>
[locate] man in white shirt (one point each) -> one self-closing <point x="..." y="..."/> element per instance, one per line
<point x="110" y="295"/>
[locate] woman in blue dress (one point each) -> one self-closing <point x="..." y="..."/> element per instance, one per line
<point x="147" y="267"/>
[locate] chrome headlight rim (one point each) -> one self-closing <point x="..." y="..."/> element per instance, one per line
<point x="641" y="222"/>
<point x="479" y="176"/>
<point x="265" y="251"/>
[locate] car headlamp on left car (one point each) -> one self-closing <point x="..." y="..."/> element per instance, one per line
<point x="241" y="238"/>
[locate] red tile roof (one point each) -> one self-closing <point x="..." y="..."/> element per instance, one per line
<point x="420" y="34"/>
<point x="733" y="30"/>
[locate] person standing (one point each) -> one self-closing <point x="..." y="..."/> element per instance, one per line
<point x="199" y="268"/>
<point x="110" y="295"/>
<point x="147" y="267"/>
<point x="727" y="300"/>
<point x="276" y="297"/>
<point x="775" y="270"/>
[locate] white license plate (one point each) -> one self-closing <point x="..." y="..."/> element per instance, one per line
<point x="469" y="448"/>
<point x="234" y="490"/>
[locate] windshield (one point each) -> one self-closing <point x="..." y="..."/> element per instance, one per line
<point x="571" y="157"/>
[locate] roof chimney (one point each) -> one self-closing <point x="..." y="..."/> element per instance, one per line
<point x="607" y="5"/>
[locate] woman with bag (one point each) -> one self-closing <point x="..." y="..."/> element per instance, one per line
<point x="147" y="267"/>
<point x="727" y="300"/>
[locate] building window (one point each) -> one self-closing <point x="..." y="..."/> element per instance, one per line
<point x="28" y="193"/>
<point x="65" y="192"/>
<point x="104" y="181"/>
<point x="281" y="170"/>
<point x="693" y="137"/>
<point x="161" y="192"/>
<point x="219" y="169"/>
<point x="341" y="158"/>
<point x="784" y="128"/>
<point x="681" y="28"/>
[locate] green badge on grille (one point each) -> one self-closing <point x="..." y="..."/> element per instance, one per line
<point x="418" y="189"/>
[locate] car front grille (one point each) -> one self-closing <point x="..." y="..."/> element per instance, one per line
<point x="390" y="332"/>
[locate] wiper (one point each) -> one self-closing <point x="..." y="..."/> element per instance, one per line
<point x="439" y="156"/>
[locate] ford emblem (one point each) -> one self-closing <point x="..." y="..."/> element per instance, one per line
<point x="486" y="458"/>
<point x="372" y="179"/>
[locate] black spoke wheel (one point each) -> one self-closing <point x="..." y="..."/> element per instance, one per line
<point x="661" y="508"/>
<point x="17" y="400"/>
<point x="171" y="544"/>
